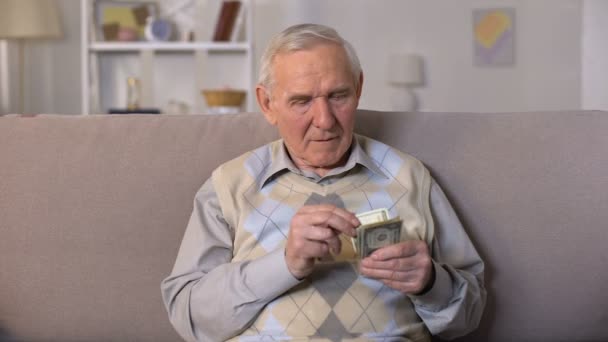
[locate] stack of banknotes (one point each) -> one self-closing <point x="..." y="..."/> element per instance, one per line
<point x="376" y="231"/>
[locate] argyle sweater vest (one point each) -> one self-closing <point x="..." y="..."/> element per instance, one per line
<point x="334" y="303"/>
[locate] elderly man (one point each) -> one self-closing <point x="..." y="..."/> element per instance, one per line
<point x="259" y="259"/>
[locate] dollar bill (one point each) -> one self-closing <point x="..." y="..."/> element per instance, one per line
<point x="367" y="218"/>
<point x="376" y="231"/>
<point x="379" y="235"/>
<point x="373" y="216"/>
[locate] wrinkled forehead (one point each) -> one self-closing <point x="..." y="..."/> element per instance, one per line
<point x="322" y="63"/>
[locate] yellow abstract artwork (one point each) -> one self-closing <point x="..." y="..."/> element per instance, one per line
<point x="491" y="27"/>
<point x="493" y="31"/>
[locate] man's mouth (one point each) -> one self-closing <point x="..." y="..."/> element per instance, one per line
<point x="325" y="139"/>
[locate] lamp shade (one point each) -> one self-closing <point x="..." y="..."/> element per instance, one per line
<point x="23" y="19"/>
<point x="405" y="69"/>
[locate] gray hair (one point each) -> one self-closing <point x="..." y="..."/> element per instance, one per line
<point x="303" y="37"/>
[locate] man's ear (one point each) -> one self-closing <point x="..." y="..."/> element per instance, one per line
<point x="265" y="104"/>
<point x="360" y="87"/>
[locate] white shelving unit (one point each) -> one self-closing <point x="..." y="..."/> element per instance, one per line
<point x="168" y="46"/>
<point x="93" y="51"/>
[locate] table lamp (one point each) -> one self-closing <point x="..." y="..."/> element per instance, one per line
<point x="404" y="71"/>
<point x="27" y="19"/>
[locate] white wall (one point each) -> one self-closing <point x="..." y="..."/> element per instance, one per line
<point x="546" y="76"/>
<point x="595" y="55"/>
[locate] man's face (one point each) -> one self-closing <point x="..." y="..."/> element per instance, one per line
<point x="313" y="104"/>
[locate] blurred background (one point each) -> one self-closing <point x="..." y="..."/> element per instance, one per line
<point x="423" y="55"/>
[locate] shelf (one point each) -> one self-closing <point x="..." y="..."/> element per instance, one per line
<point x="106" y="64"/>
<point x="169" y="46"/>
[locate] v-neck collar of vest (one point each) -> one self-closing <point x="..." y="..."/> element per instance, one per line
<point x="350" y="180"/>
<point x="281" y="165"/>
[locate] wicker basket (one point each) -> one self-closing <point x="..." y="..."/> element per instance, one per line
<point x="224" y="97"/>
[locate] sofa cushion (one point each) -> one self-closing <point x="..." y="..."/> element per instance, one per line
<point x="93" y="209"/>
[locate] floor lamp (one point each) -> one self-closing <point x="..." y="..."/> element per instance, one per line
<point x="27" y="19"/>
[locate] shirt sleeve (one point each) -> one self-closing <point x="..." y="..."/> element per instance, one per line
<point x="208" y="297"/>
<point x="454" y="305"/>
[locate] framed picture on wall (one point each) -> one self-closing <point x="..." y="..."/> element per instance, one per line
<point x="123" y="20"/>
<point x="494" y="37"/>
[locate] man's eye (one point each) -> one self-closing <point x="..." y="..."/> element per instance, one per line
<point x="300" y="102"/>
<point x="339" y="96"/>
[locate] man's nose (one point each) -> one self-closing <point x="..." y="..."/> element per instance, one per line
<point x="323" y="114"/>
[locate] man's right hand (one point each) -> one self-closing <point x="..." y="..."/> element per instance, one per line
<point x="314" y="233"/>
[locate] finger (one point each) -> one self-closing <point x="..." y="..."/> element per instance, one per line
<point x="413" y="273"/>
<point x="341" y="224"/>
<point x="407" y="282"/>
<point x="316" y="233"/>
<point x="335" y="245"/>
<point x="330" y="209"/>
<point x="323" y="235"/>
<point x="325" y="219"/>
<point x="402" y="249"/>
<point x="392" y="275"/>
<point x="348" y="216"/>
<point x="402" y="264"/>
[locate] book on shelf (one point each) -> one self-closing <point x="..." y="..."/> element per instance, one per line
<point x="237" y="31"/>
<point x="226" y="20"/>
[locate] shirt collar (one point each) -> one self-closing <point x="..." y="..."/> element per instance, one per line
<point x="281" y="162"/>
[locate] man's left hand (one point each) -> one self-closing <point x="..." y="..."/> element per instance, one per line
<point x="406" y="266"/>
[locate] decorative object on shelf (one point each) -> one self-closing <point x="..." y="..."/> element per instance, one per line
<point x="126" y="34"/>
<point x="177" y="107"/>
<point x="226" y="20"/>
<point x="494" y="36"/>
<point x="113" y="16"/>
<point x="405" y="71"/>
<point x="27" y="19"/>
<point x="188" y="36"/>
<point x="224" y="101"/>
<point x="133" y="93"/>
<point x="181" y="14"/>
<point x="158" y="29"/>
<point x="110" y="31"/>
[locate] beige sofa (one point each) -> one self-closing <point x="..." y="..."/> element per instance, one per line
<point x="92" y="212"/>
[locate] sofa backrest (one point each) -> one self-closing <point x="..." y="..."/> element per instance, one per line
<point x="92" y="212"/>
